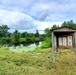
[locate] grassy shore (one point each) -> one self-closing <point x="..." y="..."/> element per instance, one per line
<point x="38" y="62"/>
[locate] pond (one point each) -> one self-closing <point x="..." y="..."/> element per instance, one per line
<point x="22" y="48"/>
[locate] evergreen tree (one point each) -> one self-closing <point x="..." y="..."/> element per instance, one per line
<point x="16" y="37"/>
<point x="37" y="39"/>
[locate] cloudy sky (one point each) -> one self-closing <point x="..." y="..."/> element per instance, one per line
<point x="29" y="15"/>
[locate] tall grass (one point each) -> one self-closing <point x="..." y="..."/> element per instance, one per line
<point x="38" y="62"/>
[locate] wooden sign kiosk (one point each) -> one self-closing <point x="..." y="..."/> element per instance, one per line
<point x="63" y="37"/>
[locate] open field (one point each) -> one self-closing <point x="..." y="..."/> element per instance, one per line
<point x="38" y="62"/>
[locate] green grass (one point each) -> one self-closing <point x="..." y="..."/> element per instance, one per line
<point x="38" y="62"/>
<point x="24" y="49"/>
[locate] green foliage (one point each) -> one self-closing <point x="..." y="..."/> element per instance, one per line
<point x="46" y="43"/>
<point x="4" y="30"/>
<point x="23" y="35"/>
<point x="8" y="40"/>
<point x="37" y="38"/>
<point x="29" y="40"/>
<point x="2" y="41"/>
<point x="54" y="26"/>
<point x="64" y="23"/>
<point x="69" y="23"/>
<point x="5" y="41"/>
<point x="22" y="40"/>
<point x="42" y="37"/>
<point x="37" y="33"/>
<point x="16" y="37"/>
<point x="47" y="32"/>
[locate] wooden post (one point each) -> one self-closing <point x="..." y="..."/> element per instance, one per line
<point x="56" y="48"/>
<point x="75" y="46"/>
<point x="53" y="45"/>
<point x="57" y="53"/>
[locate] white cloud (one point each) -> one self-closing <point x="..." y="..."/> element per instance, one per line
<point x="44" y="25"/>
<point x="26" y="15"/>
<point x="16" y="20"/>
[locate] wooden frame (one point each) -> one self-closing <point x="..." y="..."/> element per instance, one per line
<point x="63" y="33"/>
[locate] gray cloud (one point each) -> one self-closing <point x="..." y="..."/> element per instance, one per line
<point x="17" y="20"/>
<point x="25" y="15"/>
<point x="43" y="16"/>
<point x="37" y="7"/>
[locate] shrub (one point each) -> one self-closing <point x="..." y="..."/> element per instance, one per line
<point x="5" y="41"/>
<point x="22" y="40"/>
<point x="46" y="43"/>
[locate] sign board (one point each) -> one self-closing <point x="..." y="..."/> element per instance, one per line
<point x="64" y="41"/>
<point x="60" y="41"/>
<point x="69" y="40"/>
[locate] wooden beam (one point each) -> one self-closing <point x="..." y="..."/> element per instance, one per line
<point x="75" y="46"/>
<point x="53" y="45"/>
<point x="75" y="38"/>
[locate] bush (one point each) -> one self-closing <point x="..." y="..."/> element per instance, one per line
<point x="5" y="41"/>
<point x="29" y="40"/>
<point x="46" y="43"/>
<point x="22" y="40"/>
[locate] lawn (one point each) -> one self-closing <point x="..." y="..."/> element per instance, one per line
<point x="38" y="62"/>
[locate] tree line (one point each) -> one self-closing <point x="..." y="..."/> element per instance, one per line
<point x="48" y="33"/>
<point x="25" y="38"/>
<point x="17" y="38"/>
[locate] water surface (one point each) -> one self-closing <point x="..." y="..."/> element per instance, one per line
<point x="22" y="48"/>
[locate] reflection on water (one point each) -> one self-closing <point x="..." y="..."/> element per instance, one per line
<point x="22" y="48"/>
